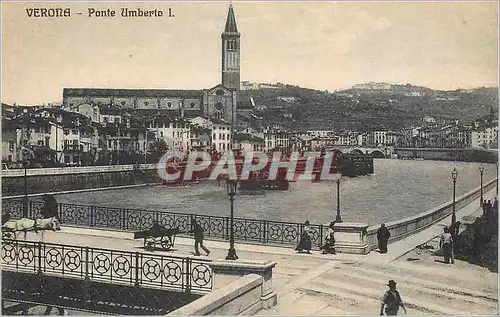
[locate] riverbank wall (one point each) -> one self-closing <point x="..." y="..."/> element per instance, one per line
<point x="43" y="180"/>
<point x="405" y="227"/>
<point x="449" y="154"/>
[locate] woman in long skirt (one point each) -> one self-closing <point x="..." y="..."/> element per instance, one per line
<point x="305" y="239"/>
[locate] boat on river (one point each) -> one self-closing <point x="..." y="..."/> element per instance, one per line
<point x="350" y="165"/>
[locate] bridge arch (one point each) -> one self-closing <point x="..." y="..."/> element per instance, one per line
<point x="378" y="154"/>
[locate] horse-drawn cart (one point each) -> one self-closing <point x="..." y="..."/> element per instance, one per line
<point x="158" y="237"/>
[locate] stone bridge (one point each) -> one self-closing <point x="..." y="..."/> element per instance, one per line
<point x="376" y="152"/>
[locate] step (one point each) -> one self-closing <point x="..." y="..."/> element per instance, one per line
<point x="420" y="293"/>
<point x="415" y="277"/>
<point x="375" y="294"/>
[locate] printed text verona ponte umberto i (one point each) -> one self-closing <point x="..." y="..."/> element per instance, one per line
<point x="98" y="13"/>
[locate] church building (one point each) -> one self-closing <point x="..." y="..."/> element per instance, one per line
<point x="220" y="102"/>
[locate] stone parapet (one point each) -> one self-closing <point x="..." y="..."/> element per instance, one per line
<point x="350" y="237"/>
<point x="239" y="297"/>
<point x="226" y="271"/>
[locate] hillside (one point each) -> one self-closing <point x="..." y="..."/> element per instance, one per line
<point x="364" y="110"/>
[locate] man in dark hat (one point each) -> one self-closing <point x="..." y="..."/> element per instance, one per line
<point x="383" y="236"/>
<point x="391" y="301"/>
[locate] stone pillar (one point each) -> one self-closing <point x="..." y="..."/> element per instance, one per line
<point x="227" y="271"/>
<point x="350" y="237"/>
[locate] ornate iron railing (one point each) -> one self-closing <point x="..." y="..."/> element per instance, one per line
<point x="108" y="266"/>
<point x="250" y="230"/>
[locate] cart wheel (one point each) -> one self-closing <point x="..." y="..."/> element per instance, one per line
<point x="149" y="243"/>
<point x="165" y="243"/>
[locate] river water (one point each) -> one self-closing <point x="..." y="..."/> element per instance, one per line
<point x="398" y="189"/>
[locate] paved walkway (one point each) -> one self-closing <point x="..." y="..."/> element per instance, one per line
<point x="342" y="284"/>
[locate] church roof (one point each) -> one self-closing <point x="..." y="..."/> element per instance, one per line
<point x="97" y="92"/>
<point x="231" y="21"/>
<point x="244" y="103"/>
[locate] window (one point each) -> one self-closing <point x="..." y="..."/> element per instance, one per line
<point x="192" y="104"/>
<point x="219" y="92"/>
<point x="106" y="119"/>
<point x="66" y="131"/>
<point x="11" y="145"/>
<point x="74" y="131"/>
<point x="123" y="103"/>
<point x="146" y="103"/>
<point x="169" y="104"/>
<point x="40" y="142"/>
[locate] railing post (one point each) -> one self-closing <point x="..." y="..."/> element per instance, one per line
<point x="263" y="229"/>
<point x="60" y="212"/>
<point x="86" y="262"/>
<point x="124" y="221"/>
<point x="227" y="227"/>
<point x="92" y="216"/>
<point x="320" y="238"/>
<point x="30" y="209"/>
<point x="136" y="283"/>
<point x="39" y="271"/>
<point x="187" y="274"/>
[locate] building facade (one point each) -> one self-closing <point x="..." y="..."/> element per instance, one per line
<point x="219" y="101"/>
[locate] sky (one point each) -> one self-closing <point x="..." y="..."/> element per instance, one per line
<point x="321" y="45"/>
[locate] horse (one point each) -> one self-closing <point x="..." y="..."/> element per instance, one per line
<point x="26" y="225"/>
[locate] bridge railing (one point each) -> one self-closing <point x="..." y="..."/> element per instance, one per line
<point x="108" y="266"/>
<point x="245" y="229"/>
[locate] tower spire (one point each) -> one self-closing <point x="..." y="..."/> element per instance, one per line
<point x="231" y="52"/>
<point x="230" y="21"/>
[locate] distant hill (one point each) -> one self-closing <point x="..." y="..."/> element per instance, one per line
<point x="402" y="105"/>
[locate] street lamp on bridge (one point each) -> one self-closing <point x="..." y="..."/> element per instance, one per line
<point x="338" y="218"/>
<point x="231" y="187"/>
<point x="454" y="175"/>
<point x="481" y="170"/>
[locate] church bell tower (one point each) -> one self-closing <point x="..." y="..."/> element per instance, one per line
<point x="231" y="53"/>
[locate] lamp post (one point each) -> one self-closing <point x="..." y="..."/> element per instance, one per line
<point x="25" y="202"/>
<point x="481" y="170"/>
<point x="454" y="175"/>
<point x="231" y="186"/>
<point x="338" y="218"/>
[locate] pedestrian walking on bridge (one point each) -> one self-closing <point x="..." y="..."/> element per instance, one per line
<point x="446" y="244"/>
<point x="305" y="239"/>
<point x="198" y="238"/>
<point x="383" y="236"/>
<point x="391" y="301"/>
